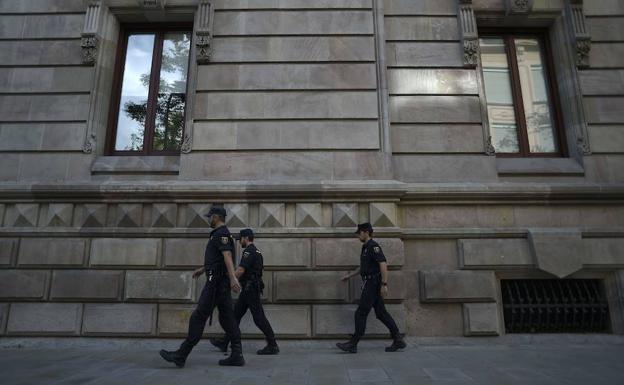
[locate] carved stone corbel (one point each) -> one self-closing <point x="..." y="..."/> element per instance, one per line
<point x="469" y="37"/>
<point x="518" y="7"/>
<point x="580" y="34"/>
<point x="203" y="33"/>
<point x="489" y="147"/>
<point x="89" y="39"/>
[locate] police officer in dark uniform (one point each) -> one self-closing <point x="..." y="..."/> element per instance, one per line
<point x="249" y="272"/>
<point x="374" y="271"/>
<point x="220" y="280"/>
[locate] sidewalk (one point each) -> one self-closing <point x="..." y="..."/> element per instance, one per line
<point x="541" y="361"/>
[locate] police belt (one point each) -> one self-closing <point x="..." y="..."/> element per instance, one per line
<point x="215" y="271"/>
<point x="371" y="276"/>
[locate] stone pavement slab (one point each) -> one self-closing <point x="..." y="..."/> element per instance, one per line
<point x="548" y="361"/>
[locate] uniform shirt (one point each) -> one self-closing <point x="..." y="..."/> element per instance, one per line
<point x="220" y="241"/>
<point x="370" y="258"/>
<point x="252" y="262"/>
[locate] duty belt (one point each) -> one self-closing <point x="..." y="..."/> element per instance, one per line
<point x="371" y="276"/>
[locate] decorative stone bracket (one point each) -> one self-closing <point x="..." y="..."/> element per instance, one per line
<point x="468" y="29"/>
<point x="518" y="7"/>
<point x="203" y="32"/>
<point x="89" y="38"/>
<point x="580" y="34"/>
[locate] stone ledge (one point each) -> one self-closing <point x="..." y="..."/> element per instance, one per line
<point x="136" y="165"/>
<point x="539" y="166"/>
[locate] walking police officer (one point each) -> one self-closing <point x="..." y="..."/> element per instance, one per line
<point x="249" y="272"/>
<point x="374" y="271"/>
<point x="220" y="280"/>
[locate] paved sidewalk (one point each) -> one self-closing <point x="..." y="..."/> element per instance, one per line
<point x="318" y="362"/>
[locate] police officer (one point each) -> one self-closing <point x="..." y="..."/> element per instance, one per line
<point x="374" y="271"/>
<point x="220" y="280"/>
<point x="249" y="272"/>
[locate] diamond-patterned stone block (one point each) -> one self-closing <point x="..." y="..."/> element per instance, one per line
<point x="383" y="214"/>
<point x="22" y="215"/>
<point x="237" y="214"/>
<point x="195" y="215"/>
<point x="91" y="215"/>
<point x="129" y="215"/>
<point x="59" y="214"/>
<point x="308" y="215"/>
<point x="272" y="214"/>
<point x="344" y="214"/>
<point x="164" y="214"/>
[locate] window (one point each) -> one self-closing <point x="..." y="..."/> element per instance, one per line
<point x="521" y="99"/>
<point x="149" y="99"/>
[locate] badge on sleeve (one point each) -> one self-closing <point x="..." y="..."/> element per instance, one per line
<point x="246" y="254"/>
<point x="225" y="240"/>
<point x="377" y="249"/>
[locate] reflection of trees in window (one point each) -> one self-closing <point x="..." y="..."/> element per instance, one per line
<point x="153" y="122"/>
<point x="171" y="99"/>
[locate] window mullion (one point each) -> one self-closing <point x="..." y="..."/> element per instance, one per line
<point x="152" y="100"/>
<point x="523" y="135"/>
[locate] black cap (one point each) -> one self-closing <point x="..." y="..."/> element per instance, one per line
<point x="364" y="227"/>
<point x="216" y="210"/>
<point x="246" y="233"/>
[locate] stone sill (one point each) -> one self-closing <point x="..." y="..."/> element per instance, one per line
<point x="168" y="165"/>
<point x="539" y="166"/>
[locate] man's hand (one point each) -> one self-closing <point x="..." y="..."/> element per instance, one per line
<point x="198" y="272"/>
<point x="383" y="291"/>
<point x="234" y="285"/>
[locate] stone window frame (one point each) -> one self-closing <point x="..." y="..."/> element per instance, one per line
<point x="159" y="30"/>
<point x="99" y="42"/>
<point x="570" y="42"/>
<point x="553" y="94"/>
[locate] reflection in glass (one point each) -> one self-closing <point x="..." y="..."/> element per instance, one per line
<point x="134" y="93"/>
<point x="539" y="122"/>
<point x="172" y="91"/>
<point x="501" y="113"/>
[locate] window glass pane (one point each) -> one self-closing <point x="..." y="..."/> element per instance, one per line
<point x="539" y="121"/>
<point x="134" y="92"/>
<point x="172" y="91"/>
<point x="501" y="113"/>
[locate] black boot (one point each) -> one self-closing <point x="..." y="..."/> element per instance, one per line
<point x="349" y="346"/>
<point x="397" y="344"/>
<point x="178" y="358"/>
<point x="220" y="343"/>
<point x="271" y="348"/>
<point x="235" y="358"/>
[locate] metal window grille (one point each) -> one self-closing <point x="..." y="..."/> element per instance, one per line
<point x="554" y="306"/>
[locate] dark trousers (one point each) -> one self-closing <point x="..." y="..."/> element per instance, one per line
<point x="372" y="299"/>
<point x="250" y="299"/>
<point x="216" y="293"/>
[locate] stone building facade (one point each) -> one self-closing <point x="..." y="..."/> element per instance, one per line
<point x="306" y="117"/>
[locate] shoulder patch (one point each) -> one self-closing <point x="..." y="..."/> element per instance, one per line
<point x="225" y="240"/>
<point x="377" y="249"/>
<point x="246" y="254"/>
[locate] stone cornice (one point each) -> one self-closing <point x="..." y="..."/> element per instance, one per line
<point x="383" y="190"/>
